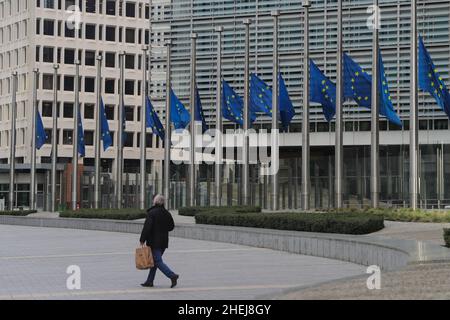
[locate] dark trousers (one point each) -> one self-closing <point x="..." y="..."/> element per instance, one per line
<point x="159" y="264"/>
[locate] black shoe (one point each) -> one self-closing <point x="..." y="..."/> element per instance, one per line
<point x="147" y="284"/>
<point x="174" y="280"/>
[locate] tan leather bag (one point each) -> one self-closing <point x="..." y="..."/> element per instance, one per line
<point x="144" y="258"/>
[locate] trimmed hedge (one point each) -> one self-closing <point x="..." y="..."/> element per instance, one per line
<point x="447" y="237"/>
<point x="192" y="211"/>
<point x="21" y="213"/>
<point x="115" y="214"/>
<point x="404" y="214"/>
<point x="344" y="223"/>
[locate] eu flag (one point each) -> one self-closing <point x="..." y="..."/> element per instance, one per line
<point x="357" y="83"/>
<point x="41" y="136"/>
<point x="287" y="111"/>
<point x="153" y="120"/>
<point x="358" y="86"/>
<point x="199" y="116"/>
<point x="260" y="95"/>
<point x="81" y="145"/>
<point x="386" y="106"/>
<point x="322" y="91"/>
<point x="233" y="106"/>
<point x="430" y="80"/>
<point x="179" y="115"/>
<point x="104" y="130"/>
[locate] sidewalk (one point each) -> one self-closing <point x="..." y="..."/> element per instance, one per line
<point x="417" y="281"/>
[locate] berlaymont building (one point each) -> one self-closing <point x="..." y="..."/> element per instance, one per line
<point x="33" y="34"/>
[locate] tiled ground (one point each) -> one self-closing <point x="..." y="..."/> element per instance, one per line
<point x="33" y="263"/>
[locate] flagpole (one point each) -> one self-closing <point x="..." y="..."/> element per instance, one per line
<point x="305" y="123"/>
<point x="219" y="150"/>
<point x="12" y="142"/>
<point x="143" y="129"/>
<point x="413" y="127"/>
<point x="75" y="136"/>
<point x="245" y="147"/>
<point x="119" y="156"/>
<point x="98" y="135"/>
<point x="375" y="134"/>
<point x="54" y="138"/>
<point x="192" y="167"/>
<point x="275" y="106"/>
<point x="168" y="132"/>
<point x="339" y="167"/>
<point x="33" y="142"/>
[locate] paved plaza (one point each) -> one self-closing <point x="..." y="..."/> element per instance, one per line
<point x="33" y="263"/>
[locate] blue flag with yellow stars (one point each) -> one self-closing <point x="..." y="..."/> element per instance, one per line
<point x="260" y="95"/>
<point x="81" y="145"/>
<point x="179" y="116"/>
<point x="287" y="111"/>
<point x="199" y="116"/>
<point x="41" y="136"/>
<point x="152" y="119"/>
<point x="322" y="91"/>
<point x="357" y="83"/>
<point x="104" y="130"/>
<point x="430" y="80"/>
<point x="358" y="86"/>
<point x="233" y="105"/>
<point x="386" y="106"/>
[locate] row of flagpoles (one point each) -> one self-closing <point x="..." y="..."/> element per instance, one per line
<point x="352" y="83"/>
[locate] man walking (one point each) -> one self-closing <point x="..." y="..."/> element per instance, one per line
<point x="158" y="224"/>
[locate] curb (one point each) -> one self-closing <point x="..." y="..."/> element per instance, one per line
<point x="388" y="254"/>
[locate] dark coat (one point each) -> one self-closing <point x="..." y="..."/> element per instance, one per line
<point x="158" y="224"/>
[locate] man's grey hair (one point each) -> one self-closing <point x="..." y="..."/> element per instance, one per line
<point x="158" y="200"/>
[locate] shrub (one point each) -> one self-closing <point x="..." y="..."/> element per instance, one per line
<point x="192" y="211"/>
<point x="115" y="214"/>
<point x="345" y="223"/>
<point x="447" y="237"/>
<point x="21" y="213"/>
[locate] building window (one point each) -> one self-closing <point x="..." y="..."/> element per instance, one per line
<point x="129" y="113"/>
<point x="69" y="83"/>
<point x="111" y="7"/>
<point x="47" y="107"/>
<point x="128" y="139"/>
<point x="49" y="4"/>
<point x="109" y="86"/>
<point x="110" y="33"/>
<point x="90" y="31"/>
<point x="88" y="111"/>
<point x="110" y="60"/>
<point x="89" y="58"/>
<point x="69" y="56"/>
<point x="49" y="27"/>
<point x="68" y="110"/>
<point x="90" y="6"/>
<point x="48" y="54"/>
<point x="69" y="32"/>
<point x="130" y="35"/>
<point x="129" y="87"/>
<point x="88" y="138"/>
<point x="109" y="110"/>
<point x="89" y="84"/>
<point x="47" y="82"/>
<point x="129" y="61"/>
<point x="130" y="9"/>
